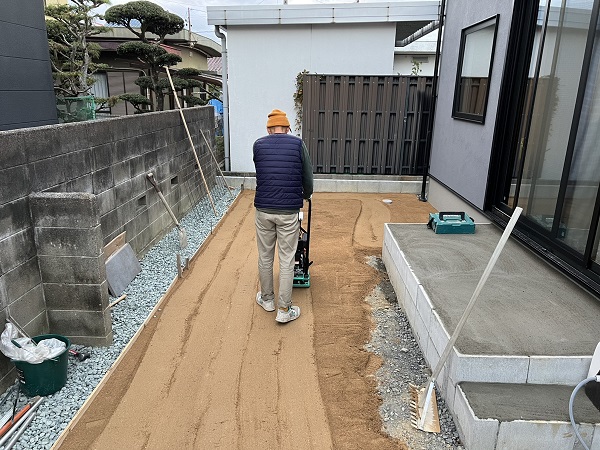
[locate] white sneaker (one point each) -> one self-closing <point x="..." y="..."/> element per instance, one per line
<point x="266" y="305"/>
<point x="292" y="313"/>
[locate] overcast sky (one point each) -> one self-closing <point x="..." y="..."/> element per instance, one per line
<point x="197" y="9"/>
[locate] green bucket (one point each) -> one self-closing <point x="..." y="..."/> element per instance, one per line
<point x="46" y="377"/>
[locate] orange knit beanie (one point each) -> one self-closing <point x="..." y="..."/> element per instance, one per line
<point x="277" y="118"/>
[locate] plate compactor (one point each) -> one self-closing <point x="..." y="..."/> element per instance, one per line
<point x="301" y="262"/>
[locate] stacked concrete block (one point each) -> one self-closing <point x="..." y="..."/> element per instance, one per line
<point x="102" y="163"/>
<point x="70" y="253"/>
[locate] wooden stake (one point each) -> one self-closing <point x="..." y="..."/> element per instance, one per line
<point x="120" y="299"/>
<point x="191" y="141"/>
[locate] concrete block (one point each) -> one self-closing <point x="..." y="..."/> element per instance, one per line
<point x="14" y="183"/>
<point x="136" y="166"/>
<point x="530" y="435"/>
<point x="48" y="173"/>
<point x="69" y="241"/>
<point x="3" y="294"/>
<point x="21" y="279"/>
<point x="568" y="370"/>
<point x="81" y="184"/>
<point x="29" y="305"/>
<point x="139" y="185"/>
<point x="412" y="284"/>
<point x="92" y="341"/>
<point x="69" y="210"/>
<point x="14" y="217"/>
<point x="586" y="432"/>
<point x="37" y="325"/>
<point x="448" y="389"/>
<point x="150" y="161"/>
<point x="85" y="297"/>
<point x="595" y="445"/>
<point x="41" y="143"/>
<point x="123" y="192"/>
<point x="491" y="369"/>
<point x="103" y="156"/>
<point x="78" y="164"/>
<point x="78" y="323"/>
<point x="475" y="433"/>
<point x="409" y="307"/>
<point x="438" y="333"/>
<point x="13" y="150"/>
<point x="106" y="201"/>
<point x="121" y="172"/>
<point x="16" y="249"/>
<point x="424" y="320"/>
<point x="102" y="180"/>
<point x="109" y="223"/>
<point x="121" y="268"/>
<point x="126" y="212"/>
<point x="72" y="269"/>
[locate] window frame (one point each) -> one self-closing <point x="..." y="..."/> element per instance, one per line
<point x="456" y="113"/>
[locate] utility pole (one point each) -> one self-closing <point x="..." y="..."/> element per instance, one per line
<point x="190" y="28"/>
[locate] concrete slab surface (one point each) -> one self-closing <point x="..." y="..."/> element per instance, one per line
<point x="502" y="401"/>
<point x="526" y="308"/>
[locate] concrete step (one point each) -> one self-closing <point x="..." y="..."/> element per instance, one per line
<point x="524" y="416"/>
<point x="530" y="337"/>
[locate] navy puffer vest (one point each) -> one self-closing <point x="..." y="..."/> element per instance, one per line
<point x="278" y="163"/>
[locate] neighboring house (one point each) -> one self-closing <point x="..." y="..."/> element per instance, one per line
<point x="418" y="57"/>
<point x="194" y="50"/>
<point x="26" y="93"/>
<point x="268" y="45"/>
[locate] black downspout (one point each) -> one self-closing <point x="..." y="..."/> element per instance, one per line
<point x="423" y="196"/>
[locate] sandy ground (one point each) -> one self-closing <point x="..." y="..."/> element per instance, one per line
<point x="214" y="370"/>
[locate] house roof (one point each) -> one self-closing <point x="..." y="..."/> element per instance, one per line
<point x="200" y="43"/>
<point x="409" y="16"/>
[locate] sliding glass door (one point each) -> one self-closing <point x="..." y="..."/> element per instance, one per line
<point x="554" y="174"/>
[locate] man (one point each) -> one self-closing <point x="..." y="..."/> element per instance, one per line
<point x="283" y="180"/>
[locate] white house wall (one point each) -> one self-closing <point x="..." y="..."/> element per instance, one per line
<point x="460" y="154"/>
<point x="264" y="62"/>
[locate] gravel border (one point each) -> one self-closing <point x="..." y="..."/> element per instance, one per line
<point x="144" y="292"/>
<point x="393" y="341"/>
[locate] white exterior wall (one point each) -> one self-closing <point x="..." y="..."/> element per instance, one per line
<point x="403" y="65"/>
<point x="264" y="61"/>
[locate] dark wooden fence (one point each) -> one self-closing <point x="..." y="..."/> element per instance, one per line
<point x="366" y="124"/>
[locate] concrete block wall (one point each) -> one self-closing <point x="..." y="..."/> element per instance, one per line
<point x="108" y="159"/>
<point x="71" y="259"/>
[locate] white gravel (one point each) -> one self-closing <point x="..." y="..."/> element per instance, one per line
<point x="402" y="363"/>
<point x="144" y="292"/>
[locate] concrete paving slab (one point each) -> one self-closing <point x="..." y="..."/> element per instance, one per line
<point x="121" y="268"/>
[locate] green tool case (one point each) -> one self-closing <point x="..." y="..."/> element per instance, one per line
<point x="451" y="223"/>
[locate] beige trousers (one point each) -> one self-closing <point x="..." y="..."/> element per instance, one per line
<point x="282" y="229"/>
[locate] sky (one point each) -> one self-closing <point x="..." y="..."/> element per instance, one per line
<point x="197" y="10"/>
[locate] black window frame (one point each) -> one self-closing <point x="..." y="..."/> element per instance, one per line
<point x="456" y="113"/>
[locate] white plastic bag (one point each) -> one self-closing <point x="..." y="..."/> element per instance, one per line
<point x="29" y="352"/>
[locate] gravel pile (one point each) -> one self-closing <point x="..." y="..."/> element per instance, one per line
<point x="402" y="363"/>
<point x="57" y="410"/>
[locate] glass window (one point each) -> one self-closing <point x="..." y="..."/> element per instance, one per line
<point x="474" y="70"/>
<point x="553" y="109"/>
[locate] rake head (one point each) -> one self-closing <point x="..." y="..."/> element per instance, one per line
<point x="424" y="410"/>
